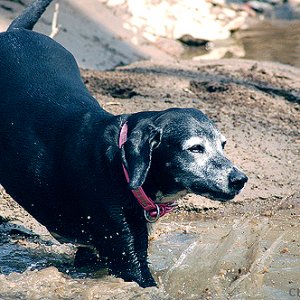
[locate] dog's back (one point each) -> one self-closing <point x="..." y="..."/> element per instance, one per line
<point x="38" y="75"/>
<point x="43" y="103"/>
<point x="33" y="60"/>
<point x="29" y="62"/>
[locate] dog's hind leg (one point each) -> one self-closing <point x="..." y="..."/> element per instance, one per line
<point x="30" y="15"/>
<point x="87" y="258"/>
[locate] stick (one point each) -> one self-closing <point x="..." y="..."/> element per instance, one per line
<point x="55" y="27"/>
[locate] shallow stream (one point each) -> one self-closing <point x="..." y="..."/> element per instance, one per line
<point x="277" y="41"/>
<point x="218" y="257"/>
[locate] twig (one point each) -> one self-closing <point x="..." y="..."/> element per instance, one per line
<point x="55" y="27"/>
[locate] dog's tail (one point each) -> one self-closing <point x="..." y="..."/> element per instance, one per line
<point x="30" y="15"/>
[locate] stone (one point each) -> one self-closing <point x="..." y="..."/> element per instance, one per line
<point x="173" y="20"/>
<point x="260" y="6"/>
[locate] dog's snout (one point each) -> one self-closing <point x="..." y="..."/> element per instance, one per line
<point x="237" y="179"/>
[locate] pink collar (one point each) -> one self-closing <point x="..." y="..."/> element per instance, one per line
<point x="152" y="211"/>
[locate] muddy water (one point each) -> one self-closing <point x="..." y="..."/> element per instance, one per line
<point x="273" y="41"/>
<point x="277" y="41"/>
<point x="242" y="258"/>
<point x="231" y="257"/>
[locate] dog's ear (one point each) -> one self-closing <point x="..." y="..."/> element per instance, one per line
<point x="137" y="152"/>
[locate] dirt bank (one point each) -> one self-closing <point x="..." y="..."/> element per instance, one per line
<point x="257" y="107"/>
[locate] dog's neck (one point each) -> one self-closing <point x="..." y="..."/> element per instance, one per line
<point x="152" y="210"/>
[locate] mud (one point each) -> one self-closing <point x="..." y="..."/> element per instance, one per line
<point x="248" y="248"/>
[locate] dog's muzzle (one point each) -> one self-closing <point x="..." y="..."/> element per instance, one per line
<point x="237" y="180"/>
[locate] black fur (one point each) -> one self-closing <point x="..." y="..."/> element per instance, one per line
<point x="59" y="155"/>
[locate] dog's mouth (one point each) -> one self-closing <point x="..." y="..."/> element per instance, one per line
<point x="223" y="197"/>
<point x="213" y="195"/>
<point x="216" y="194"/>
<point x="213" y="192"/>
<point x="220" y="195"/>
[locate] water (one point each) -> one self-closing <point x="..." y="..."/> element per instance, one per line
<point x="230" y="257"/>
<point x="242" y="258"/>
<point x="277" y="41"/>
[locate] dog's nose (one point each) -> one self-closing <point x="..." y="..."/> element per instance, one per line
<point x="237" y="179"/>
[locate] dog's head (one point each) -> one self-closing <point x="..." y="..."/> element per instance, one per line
<point x="180" y="149"/>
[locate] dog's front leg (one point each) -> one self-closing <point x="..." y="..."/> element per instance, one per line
<point x="139" y="229"/>
<point x="116" y="244"/>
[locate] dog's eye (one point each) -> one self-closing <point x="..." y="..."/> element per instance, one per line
<point x="197" y="149"/>
<point x="223" y="144"/>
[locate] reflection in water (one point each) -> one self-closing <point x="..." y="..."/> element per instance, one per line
<point x="277" y="41"/>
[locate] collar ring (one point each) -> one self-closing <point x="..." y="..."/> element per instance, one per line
<point x="152" y="216"/>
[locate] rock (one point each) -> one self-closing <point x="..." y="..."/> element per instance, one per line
<point x="220" y="52"/>
<point x="236" y="23"/>
<point x="171" y="19"/>
<point x="218" y="2"/>
<point x="273" y="2"/>
<point x="115" y="2"/>
<point x="189" y="40"/>
<point x="172" y="47"/>
<point x="229" y="13"/>
<point x="260" y="7"/>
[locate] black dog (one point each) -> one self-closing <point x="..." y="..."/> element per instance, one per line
<point x="62" y="155"/>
